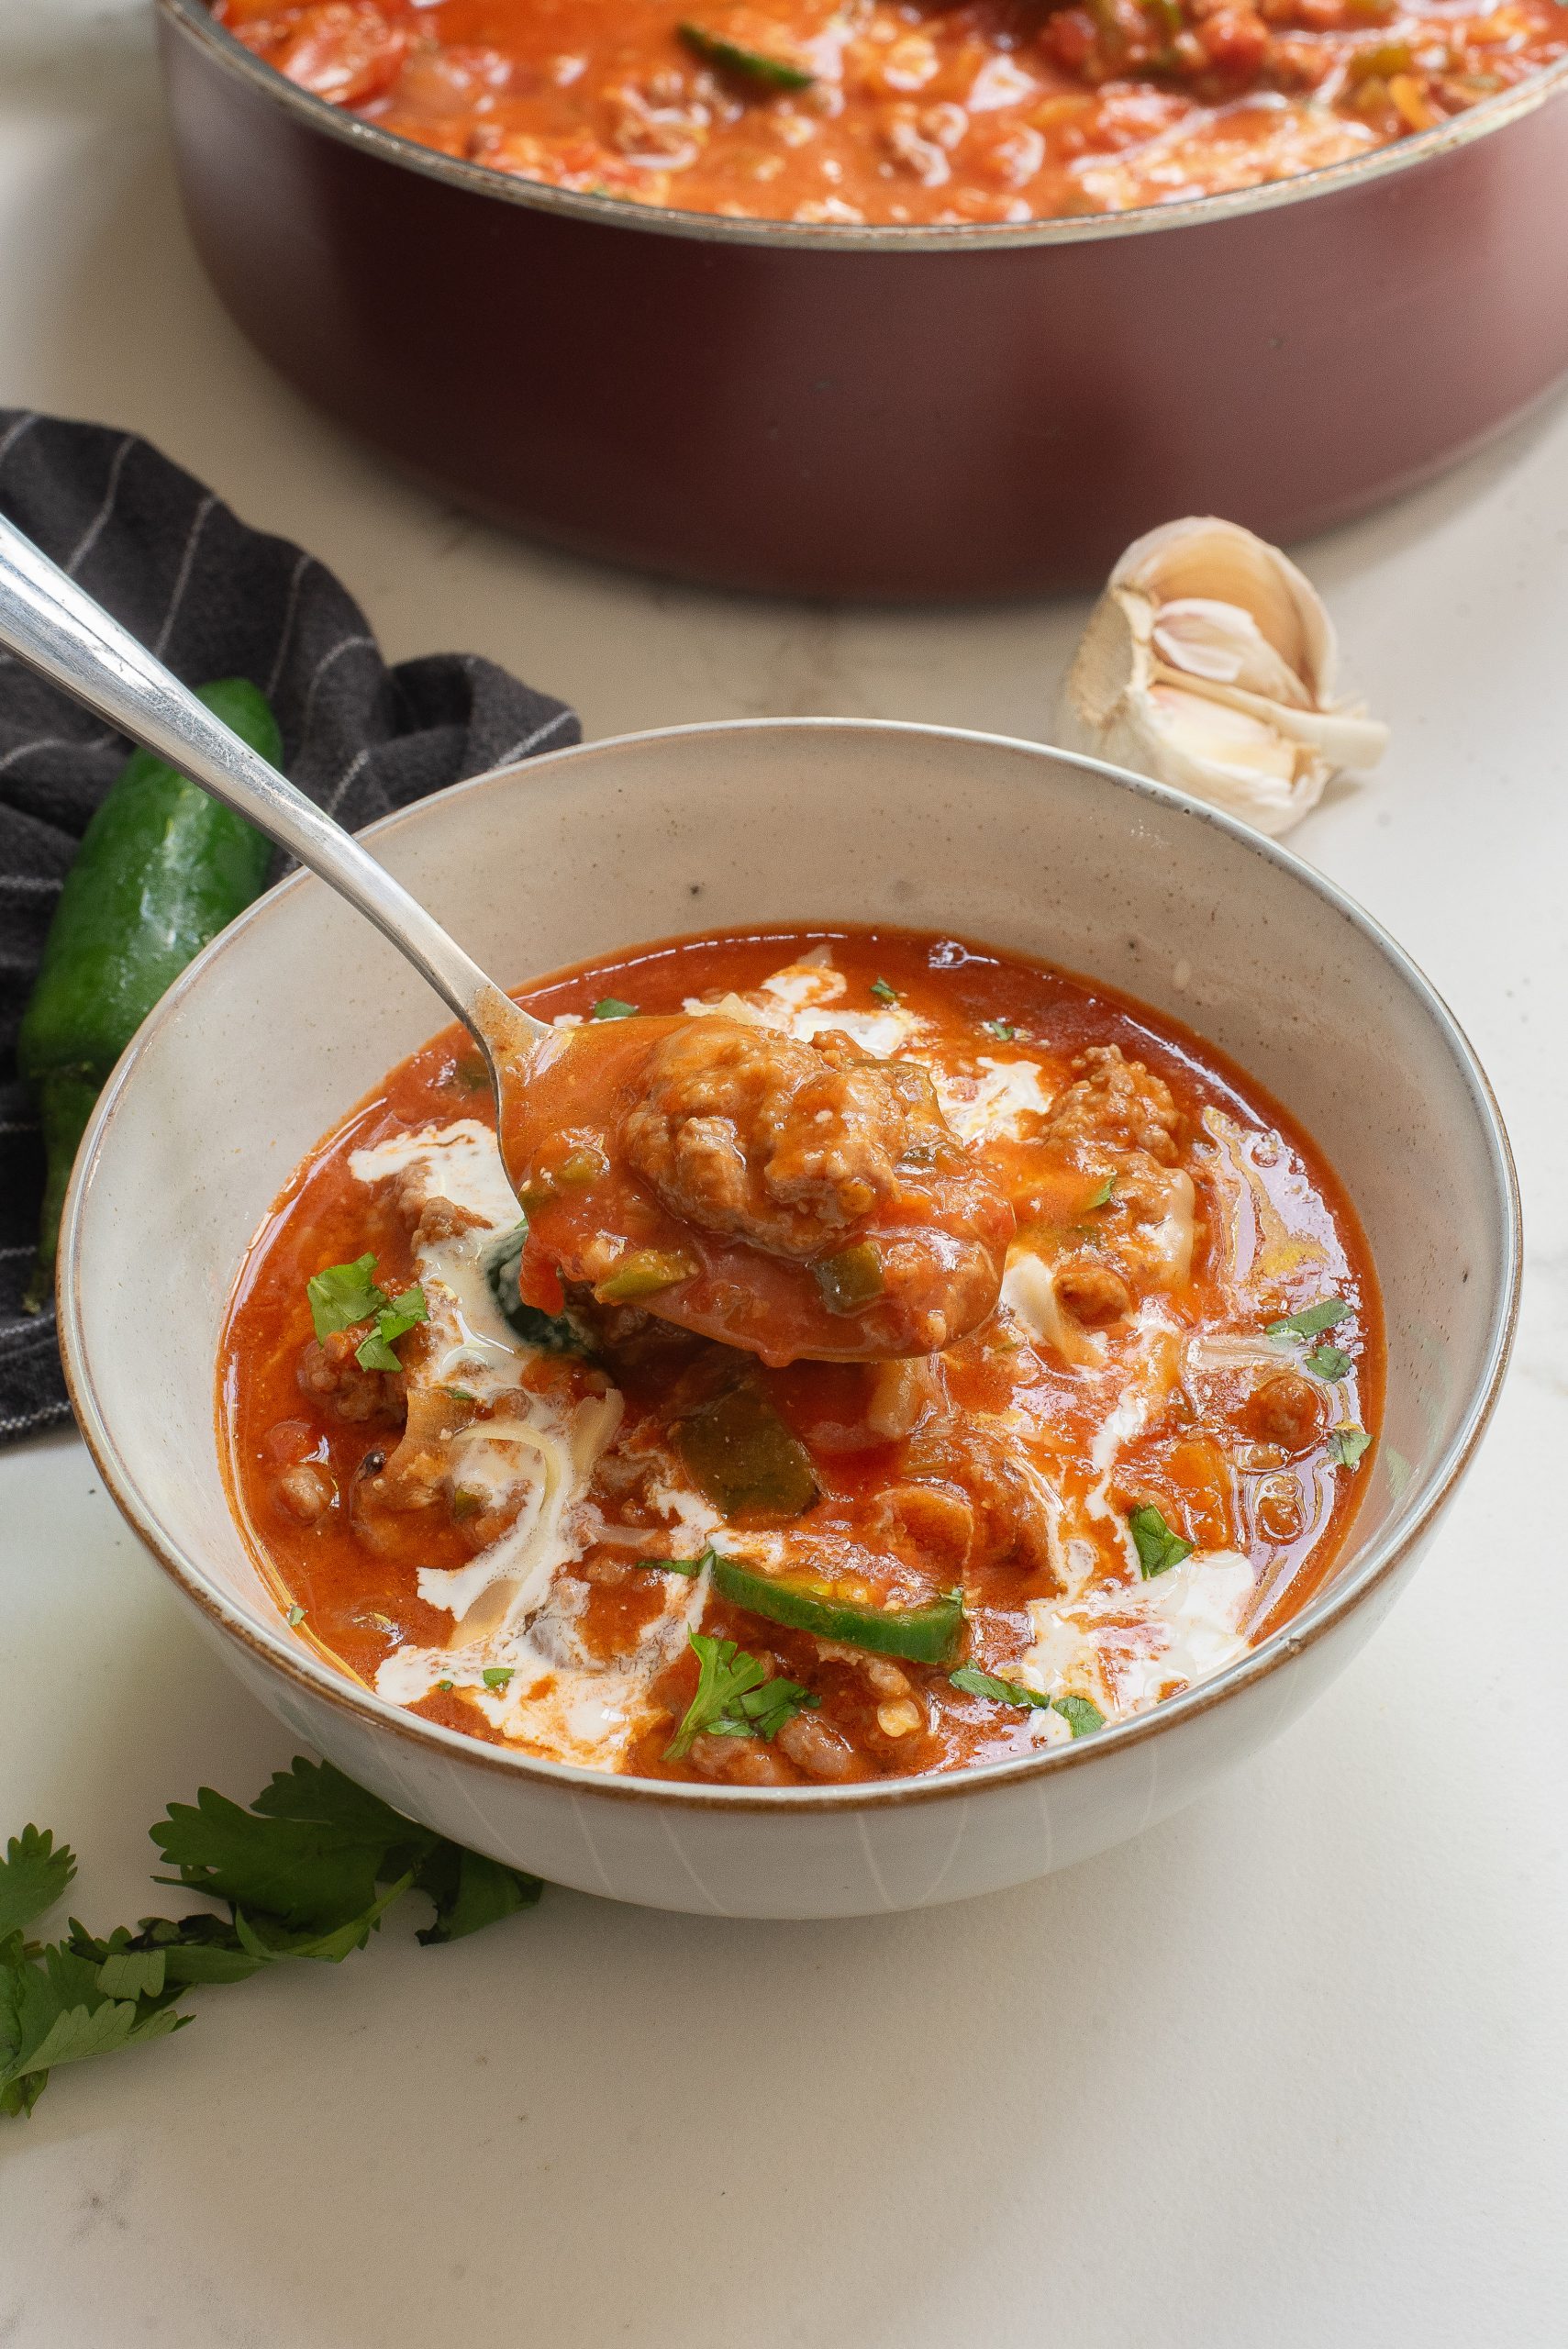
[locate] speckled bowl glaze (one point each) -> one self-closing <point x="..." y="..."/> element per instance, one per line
<point x="300" y="1007"/>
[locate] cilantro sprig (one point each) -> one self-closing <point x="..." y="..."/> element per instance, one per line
<point x="309" y="1871"/>
<point x="342" y="1295"/>
<point x="734" y="1697"/>
<point x="1158" y="1548"/>
<point x="1080" y="1713"/>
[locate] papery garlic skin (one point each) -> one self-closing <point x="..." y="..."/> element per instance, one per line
<point x="1210" y="663"/>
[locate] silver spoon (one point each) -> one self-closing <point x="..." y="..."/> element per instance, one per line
<point x="53" y="624"/>
<point x="56" y="626"/>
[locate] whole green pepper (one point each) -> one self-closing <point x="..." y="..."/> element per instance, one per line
<point x="162" y="868"/>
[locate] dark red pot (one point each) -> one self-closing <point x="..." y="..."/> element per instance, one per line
<point x="882" y="412"/>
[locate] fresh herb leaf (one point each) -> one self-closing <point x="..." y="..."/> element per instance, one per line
<point x="469" y="1891"/>
<point x="611" y="1006"/>
<point x="1312" y="1321"/>
<point x="52" y="2012"/>
<point x="342" y="1295"/>
<point x="1080" y="1713"/>
<point x="497" y="1676"/>
<point x="395" y="1318"/>
<point x="975" y="1683"/>
<point x="309" y="1855"/>
<point x="446" y="1687"/>
<point x="1328" y="1363"/>
<point x="33" y="1875"/>
<point x="1158" y="1548"/>
<point x="1102" y="1194"/>
<point x="763" y="1712"/>
<point x="713" y="49"/>
<point x="309" y="1852"/>
<point x="883" y="992"/>
<point x="734" y="1697"/>
<point x="1346" y="1445"/>
<point x="691" y="1567"/>
<point x="553" y="1333"/>
<point x="1003" y="1029"/>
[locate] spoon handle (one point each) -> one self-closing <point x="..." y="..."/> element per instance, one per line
<point x="54" y="626"/>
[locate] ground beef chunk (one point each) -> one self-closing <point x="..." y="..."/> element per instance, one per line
<point x="330" y="1377"/>
<point x="1117" y="1104"/>
<point x="782" y="1144"/>
<point x="1091" y="1293"/>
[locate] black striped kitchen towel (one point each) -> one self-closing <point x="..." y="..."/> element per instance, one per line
<point x="212" y="598"/>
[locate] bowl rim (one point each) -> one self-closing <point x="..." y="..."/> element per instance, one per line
<point x="193" y="19"/>
<point x="278" y="1650"/>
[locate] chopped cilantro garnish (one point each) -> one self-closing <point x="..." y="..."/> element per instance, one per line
<point x="1080" y="1713"/>
<point x="1328" y="1362"/>
<point x="1312" y="1320"/>
<point x="299" y="1873"/>
<point x="1102" y="1194"/>
<point x="342" y="1295"/>
<point x="734" y="1697"/>
<point x="974" y="1683"/>
<point x="1346" y="1445"/>
<point x="395" y="1318"/>
<point x="611" y="1006"/>
<point x="689" y="1566"/>
<point x="883" y="992"/>
<point x="445" y="1687"/>
<point x="295" y="1615"/>
<point x="496" y="1676"/>
<point x="1003" y="1029"/>
<point x="1158" y="1548"/>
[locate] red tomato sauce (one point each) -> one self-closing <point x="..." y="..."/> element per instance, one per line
<point x="1114" y="1486"/>
<point x="893" y="111"/>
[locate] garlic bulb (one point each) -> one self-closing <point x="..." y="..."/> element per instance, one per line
<point x="1208" y="663"/>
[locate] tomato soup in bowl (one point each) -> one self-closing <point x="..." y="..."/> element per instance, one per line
<point x="666" y="1619"/>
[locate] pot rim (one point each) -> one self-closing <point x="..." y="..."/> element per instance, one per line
<point x="282" y="1652"/>
<point x="191" y="19"/>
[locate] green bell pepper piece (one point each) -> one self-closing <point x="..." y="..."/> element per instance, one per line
<point x="928" y="1635"/>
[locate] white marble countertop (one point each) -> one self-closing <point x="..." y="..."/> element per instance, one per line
<point x="1289" y="2069"/>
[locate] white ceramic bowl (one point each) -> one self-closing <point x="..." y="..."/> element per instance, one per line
<point x="299" y="1009"/>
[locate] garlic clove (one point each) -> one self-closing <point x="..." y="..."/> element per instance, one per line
<point x="1210" y="664"/>
<point x="1204" y="638"/>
